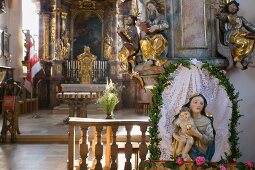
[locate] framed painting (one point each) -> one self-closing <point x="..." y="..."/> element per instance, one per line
<point x="6" y="44"/>
<point x="87" y="32"/>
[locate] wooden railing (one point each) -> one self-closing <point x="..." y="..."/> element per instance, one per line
<point x="111" y="142"/>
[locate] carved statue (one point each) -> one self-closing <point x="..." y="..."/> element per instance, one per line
<point x="86" y="60"/>
<point x="240" y="42"/>
<point x="29" y="42"/>
<point x="130" y="47"/>
<point x="153" y="33"/>
<point x="108" y="47"/>
<point x="203" y="133"/>
<point x="62" y="49"/>
<point x="65" y="44"/>
<point x="182" y="123"/>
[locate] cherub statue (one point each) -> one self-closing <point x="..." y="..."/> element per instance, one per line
<point x="240" y="42"/>
<point x="182" y="123"/>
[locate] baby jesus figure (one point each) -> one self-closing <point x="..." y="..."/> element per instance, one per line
<point x="182" y="123"/>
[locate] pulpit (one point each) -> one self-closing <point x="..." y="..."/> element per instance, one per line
<point x="78" y="96"/>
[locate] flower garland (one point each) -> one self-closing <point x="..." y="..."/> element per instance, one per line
<point x="157" y="102"/>
<point x="201" y="162"/>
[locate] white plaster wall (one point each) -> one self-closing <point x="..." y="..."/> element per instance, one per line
<point x="4" y="17"/>
<point x="13" y="20"/>
<point x="16" y="43"/>
<point x="244" y="82"/>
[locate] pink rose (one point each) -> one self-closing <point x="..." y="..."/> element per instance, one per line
<point x="179" y="161"/>
<point x="250" y="164"/>
<point x="224" y="72"/>
<point x="200" y="160"/>
<point x="222" y="167"/>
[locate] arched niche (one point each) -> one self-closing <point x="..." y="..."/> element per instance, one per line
<point x="87" y="30"/>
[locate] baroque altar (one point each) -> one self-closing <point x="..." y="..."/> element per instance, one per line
<point x="68" y="26"/>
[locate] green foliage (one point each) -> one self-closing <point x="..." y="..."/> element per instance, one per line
<point x="171" y="165"/>
<point x="157" y="104"/>
<point x="245" y="166"/>
<point x="233" y="97"/>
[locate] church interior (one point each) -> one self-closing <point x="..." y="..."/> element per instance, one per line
<point x="94" y="84"/>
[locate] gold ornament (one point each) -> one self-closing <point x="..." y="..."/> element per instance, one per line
<point x="153" y="47"/>
<point x="244" y="46"/>
<point x="86" y="60"/>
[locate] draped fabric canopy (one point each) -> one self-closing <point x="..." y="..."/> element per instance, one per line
<point x="186" y="82"/>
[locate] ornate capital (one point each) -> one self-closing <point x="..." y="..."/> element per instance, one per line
<point x="87" y="4"/>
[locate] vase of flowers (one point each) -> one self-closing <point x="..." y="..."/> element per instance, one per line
<point x="109" y="99"/>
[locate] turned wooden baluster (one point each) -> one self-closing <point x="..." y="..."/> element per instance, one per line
<point x="84" y="148"/>
<point x="93" y="145"/>
<point x="99" y="148"/>
<point x="114" y="149"/>
<point x="143" y="149"/>
<point x="108" y="147"/>
<point x="128" y="148"/>
<point x="71" y="147"/>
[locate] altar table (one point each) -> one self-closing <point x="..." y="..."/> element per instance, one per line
<point x="78" y="96"/>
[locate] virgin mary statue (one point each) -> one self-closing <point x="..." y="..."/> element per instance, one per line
<point x="211" y="117"/>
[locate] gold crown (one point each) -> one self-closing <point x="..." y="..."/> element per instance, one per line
<point x="226" y="1"/>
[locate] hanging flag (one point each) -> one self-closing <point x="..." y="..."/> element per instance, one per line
<point x="34" y="68"/>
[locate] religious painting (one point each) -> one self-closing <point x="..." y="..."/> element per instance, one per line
<point x="87" y="32"/>
<point x="6" y="45"/>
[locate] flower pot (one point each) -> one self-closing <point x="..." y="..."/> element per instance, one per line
<point x="109" y="116"/>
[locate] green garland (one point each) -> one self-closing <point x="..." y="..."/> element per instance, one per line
<point x="157" y="102"/>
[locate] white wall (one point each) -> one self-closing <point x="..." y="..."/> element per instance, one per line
<point x="244" y="82"/>
<point x="4" y="17"/>
<point x="16" y="44"/>
<point x="12" y="19"/>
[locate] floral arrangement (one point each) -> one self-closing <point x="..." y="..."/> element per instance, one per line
<point x="176" y="163"/>
<point x="201" y="163"/>
<point x="109" y="99"/>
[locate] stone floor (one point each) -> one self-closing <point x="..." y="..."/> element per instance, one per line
<point x="46" y="156"/>
<point x="33" y="156"/>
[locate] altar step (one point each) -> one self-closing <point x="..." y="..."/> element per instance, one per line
<point x="91" y="108"/>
